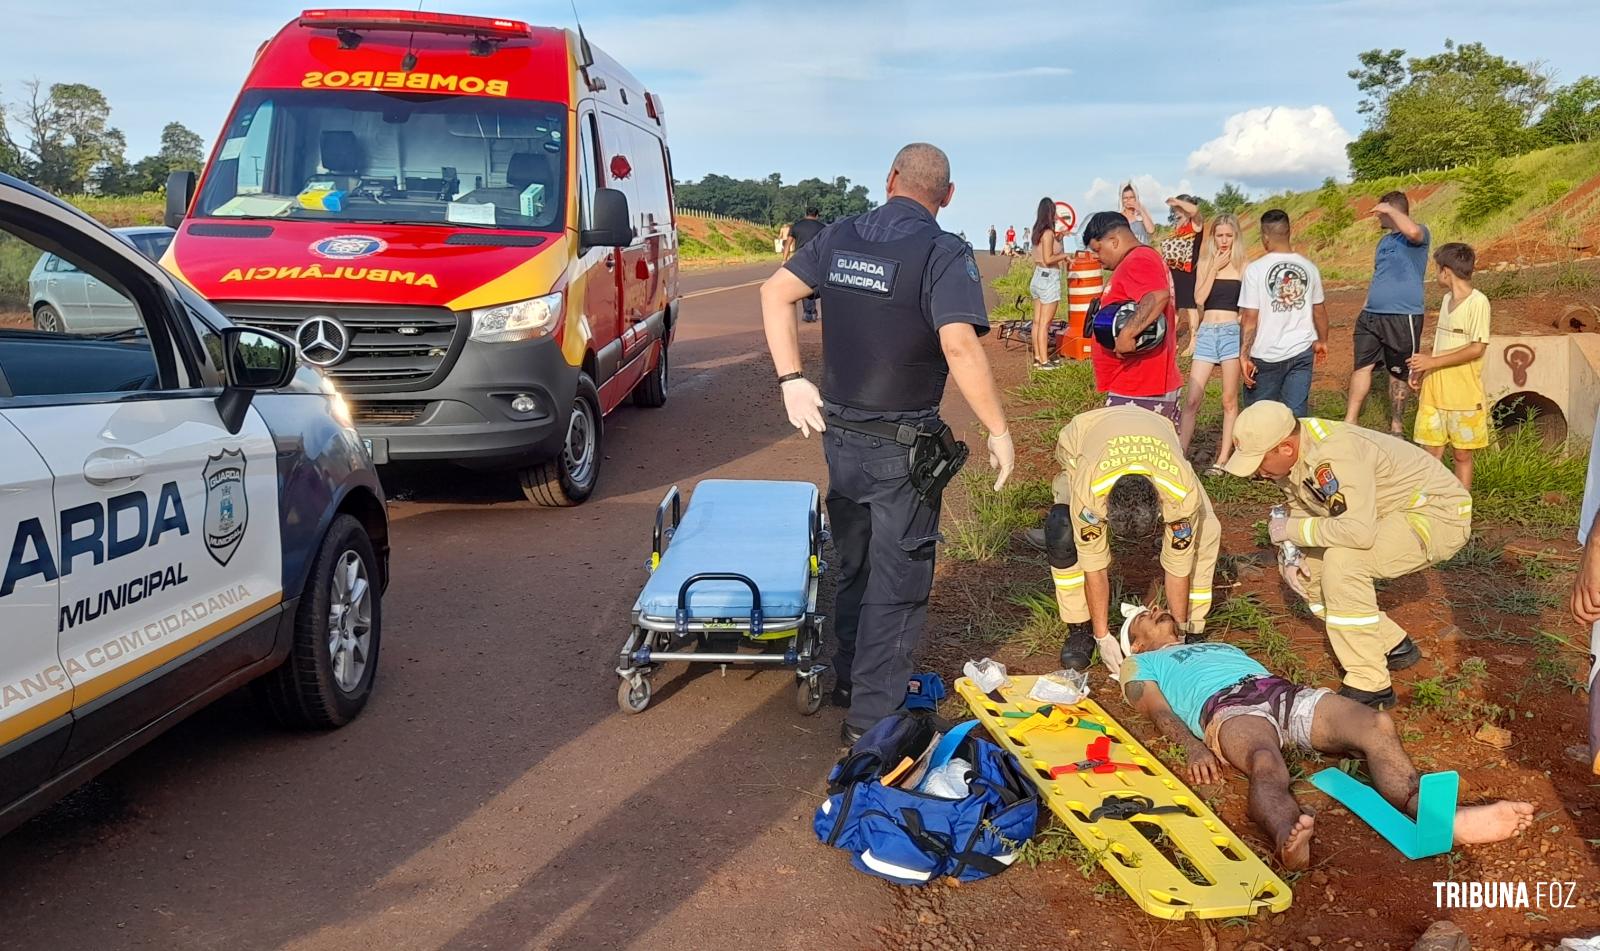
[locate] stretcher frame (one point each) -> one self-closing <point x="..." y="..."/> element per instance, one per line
<point x="655" y="640"/>
<point x="1238" y="884"/>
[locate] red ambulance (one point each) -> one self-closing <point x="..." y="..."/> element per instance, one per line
<point x="466" y="222"/>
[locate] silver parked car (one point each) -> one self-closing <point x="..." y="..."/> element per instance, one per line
<point x="66" y="300"/>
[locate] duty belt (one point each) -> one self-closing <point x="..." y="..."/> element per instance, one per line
<point x="934" y="455"/>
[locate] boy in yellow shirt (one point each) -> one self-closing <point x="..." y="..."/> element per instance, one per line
<point x="1452" y="409"/>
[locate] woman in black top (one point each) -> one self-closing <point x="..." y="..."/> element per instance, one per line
<point x="1216" y="340"/>
<point x="1181" y="251"/>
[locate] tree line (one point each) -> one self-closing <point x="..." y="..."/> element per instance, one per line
<point x="1463" y="106"/>
<point x="60" y="138"/>
<point x="769" y="201"/>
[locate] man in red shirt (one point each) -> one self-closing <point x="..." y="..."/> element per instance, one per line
<point x="1011" y="238"/>
<point x="1139" y="274"/>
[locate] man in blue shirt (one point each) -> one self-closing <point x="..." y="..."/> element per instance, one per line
<point x="1246" y="715"/>
<point x="1389" y="329"/>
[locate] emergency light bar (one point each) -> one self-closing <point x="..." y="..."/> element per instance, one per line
<point x="414" y="22"/>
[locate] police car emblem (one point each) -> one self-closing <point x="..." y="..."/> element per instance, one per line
<point x="1182" y="535"/>
<point x="346" y="247"/>
<point x="227" y="506"/>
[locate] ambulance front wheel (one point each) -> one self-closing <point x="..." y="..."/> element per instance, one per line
<point x="327" y="678"/>
<point x="570" y="477"/>
<point x="633" y="697"/>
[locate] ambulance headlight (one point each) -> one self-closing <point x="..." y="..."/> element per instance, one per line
<point x="523" y="320"/>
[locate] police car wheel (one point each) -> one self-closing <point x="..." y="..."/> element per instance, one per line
<point x="46" y="320"/>
<point x="652" y="390"/>
<point x="570" y="477"/>
<point x="328" y="675"/>
<point x="631" y="698"/>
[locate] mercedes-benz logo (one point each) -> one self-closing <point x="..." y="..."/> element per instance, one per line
<point x="323" y="341"/>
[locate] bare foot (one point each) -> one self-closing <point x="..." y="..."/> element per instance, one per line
<point x="1492" y="822"/>
<point x="1295" y="849"/>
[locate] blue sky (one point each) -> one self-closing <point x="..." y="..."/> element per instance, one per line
<point x="1029" y="98"/>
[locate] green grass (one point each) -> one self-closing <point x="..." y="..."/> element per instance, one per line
<point x="1227" y="488"/>
<point x="1259" y="635"/>
<point x="1450" y="696"/>
<point x="1055" y="842"/>
<point x="1526" y="602"/>
<point x="1518" y="480"/>
<point x="984" y="532"/>
<point x="1043" y="630"/>
<point x="1065" y="391"/>
<point x="1475" y="555"/>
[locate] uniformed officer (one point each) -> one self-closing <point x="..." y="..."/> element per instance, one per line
<point x="1123" y="474"/>
<point x="905" y="309"/>
<point x="1362" y="506"/>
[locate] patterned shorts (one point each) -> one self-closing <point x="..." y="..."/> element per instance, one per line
<point x="1461" y="428"/>
<point x="1164" y="405"/>
<point x="1288" y="706"/>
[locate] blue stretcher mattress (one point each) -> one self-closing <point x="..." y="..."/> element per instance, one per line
<point x="759" y="529"/>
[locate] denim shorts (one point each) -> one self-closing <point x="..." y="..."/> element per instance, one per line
<point x="1046" y="285"/>
<point x="1216" y="342"/>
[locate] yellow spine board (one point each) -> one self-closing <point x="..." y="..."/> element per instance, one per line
<point x="1234" y="881"/>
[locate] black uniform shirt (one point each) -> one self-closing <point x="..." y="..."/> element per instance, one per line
<point x="952" y="291"/>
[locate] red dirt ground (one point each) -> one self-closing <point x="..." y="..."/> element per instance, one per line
<point x="1360" y="893"/>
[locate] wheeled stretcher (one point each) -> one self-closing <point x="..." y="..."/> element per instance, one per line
<point x="732" y="581"/>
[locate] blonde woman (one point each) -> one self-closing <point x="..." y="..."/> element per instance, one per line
<point x="1046" y="284"/>
<point x="1216" y="340"/>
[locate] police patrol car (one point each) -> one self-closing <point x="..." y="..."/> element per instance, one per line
<point x="183" y="510"/>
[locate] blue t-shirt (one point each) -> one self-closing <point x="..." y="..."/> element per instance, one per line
<point x="1397" y="272"/>
<point x="1191" y="674"/>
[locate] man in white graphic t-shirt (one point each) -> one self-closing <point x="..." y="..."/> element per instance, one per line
<point x="1283" y="324"/>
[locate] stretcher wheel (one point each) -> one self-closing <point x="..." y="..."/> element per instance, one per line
<point x="631" y="698"/>
<point x="808" y="696"/>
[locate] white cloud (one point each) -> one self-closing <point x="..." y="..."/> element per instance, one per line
<point x="1275" y="145"/>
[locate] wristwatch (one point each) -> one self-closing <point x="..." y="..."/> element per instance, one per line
<point x="790" y="376"/>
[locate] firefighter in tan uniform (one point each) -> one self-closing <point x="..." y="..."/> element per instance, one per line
<point x="1123" y="474"/>
<point x="1362" y="506"/>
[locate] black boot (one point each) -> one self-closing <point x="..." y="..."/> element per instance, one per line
<point x="1378" y="700"/>
<point x="1077" y="651"/>
<point x="840" y="697"/>
<point x="1407" y="654"/>
<point x="849" y="734"/>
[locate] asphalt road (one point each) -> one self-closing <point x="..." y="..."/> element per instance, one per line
<point x="492" y="796"/>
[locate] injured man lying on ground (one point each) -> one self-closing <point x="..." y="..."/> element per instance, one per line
<point x="1220" y="704"/>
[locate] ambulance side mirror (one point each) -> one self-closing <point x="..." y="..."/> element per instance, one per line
<point x="611" y="225"/>
<point x="252" y="360"/>
<point x="180" y="192"/>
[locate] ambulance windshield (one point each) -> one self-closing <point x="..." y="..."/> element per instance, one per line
<point x="344" y="155"/>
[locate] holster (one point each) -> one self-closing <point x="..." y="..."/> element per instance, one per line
<point x="934" y="455"/>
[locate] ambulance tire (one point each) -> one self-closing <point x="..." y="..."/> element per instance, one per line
<point x="569" y="479"/>
<point x="304" y="693"/>
<point x="652" y="390"/>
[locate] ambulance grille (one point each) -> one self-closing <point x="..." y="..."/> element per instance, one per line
<point x="390" y="349"/>
<point x="387" y="412"/>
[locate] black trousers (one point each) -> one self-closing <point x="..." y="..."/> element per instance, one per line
<point x="884" y="535"/>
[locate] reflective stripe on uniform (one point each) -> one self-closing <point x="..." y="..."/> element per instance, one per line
<point x="1199" y="595"/>
<point x="1317" y="609"/>
<point x="1319" y="429"/>
<point x="1173" y="489"/>
<point x="1464" y="509"/>
<point x="1067" y="577"/>
<point x="1343" y="620"/>
<point x="1306" y="532"/>
<point x="1419" y="524"/>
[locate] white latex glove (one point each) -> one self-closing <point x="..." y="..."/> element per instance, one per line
<point x="1002" y="457"/>
<point x="803" y="402"/>
<point x="1111" y="653"/>
<point x="1278" y="529"/>
<point x="1295" y="577"/>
